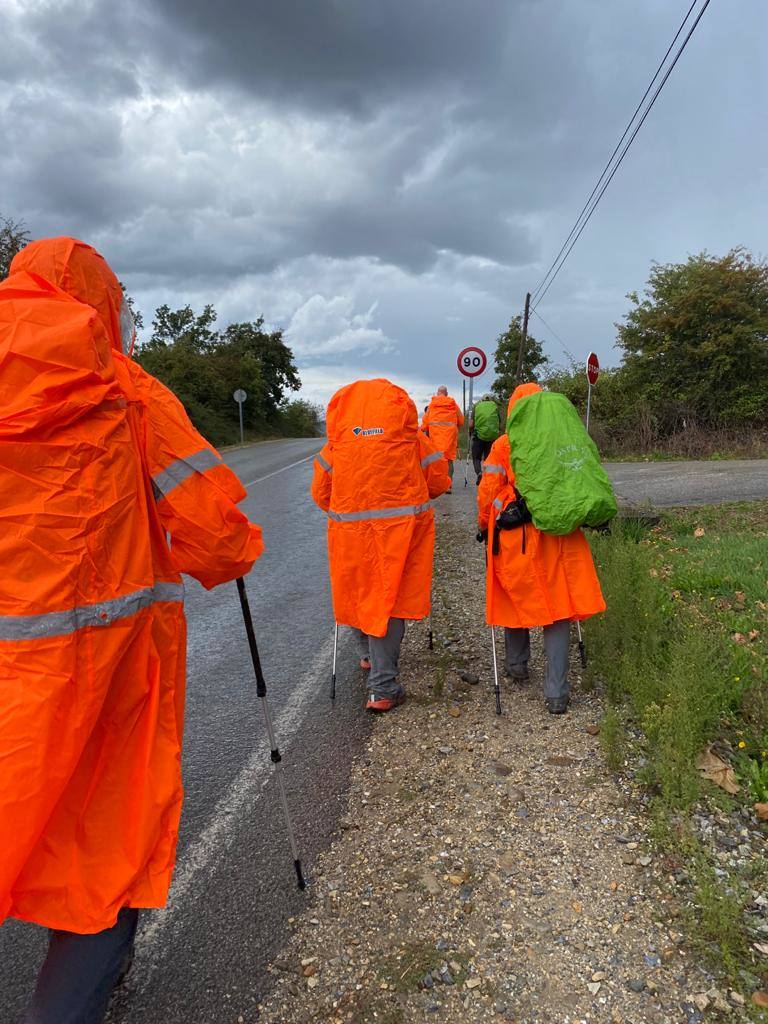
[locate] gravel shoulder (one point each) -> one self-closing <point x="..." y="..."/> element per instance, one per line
<point x="487" y="868"/>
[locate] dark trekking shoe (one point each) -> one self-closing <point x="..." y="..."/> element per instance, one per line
<point x="558" y="706"/>
<point x="377" y="703"/>
<point x="519" y="675"/>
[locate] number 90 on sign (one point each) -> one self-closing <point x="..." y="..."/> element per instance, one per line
<point x="472" y="361"/>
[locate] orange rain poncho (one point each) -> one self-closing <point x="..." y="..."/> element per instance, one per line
<point x="374" y="478"/>
<point x="442" y="421"/>
<point x="553" y="578"/>
<point x="98" y="464"/>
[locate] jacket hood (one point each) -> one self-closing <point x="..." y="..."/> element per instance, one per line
<point x="371" y="409"/>
<point x="56" y="359"/>
<point x="80" y="271"/>
<point x="442" y="402"/>
<point x="522" y="391"/>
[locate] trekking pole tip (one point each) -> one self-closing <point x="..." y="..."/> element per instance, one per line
<point x="299" y="874"/>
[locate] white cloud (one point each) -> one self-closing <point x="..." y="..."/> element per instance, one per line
<point x="329" y="326"/>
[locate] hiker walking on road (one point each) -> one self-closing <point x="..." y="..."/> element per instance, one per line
<point x="374" y="478"/>
<point x="441" y="422"/>
<point x="484" y="429"/>
<point x="107" y="495"/>
<point x="533" y="578"/>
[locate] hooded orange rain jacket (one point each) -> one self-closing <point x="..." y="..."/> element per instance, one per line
<point x="442" y="421"/>
<point x="374" y="478"/>
<point x="551" y="578"/>
<point x="107" y="494"/>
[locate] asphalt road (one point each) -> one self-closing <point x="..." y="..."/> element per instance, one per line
<point x="689" y="483"/>
<point x="203" y="959"/>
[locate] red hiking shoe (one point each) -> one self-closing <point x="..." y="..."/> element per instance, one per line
<point x="365" y="664"/>
<point x="376" y="703"/>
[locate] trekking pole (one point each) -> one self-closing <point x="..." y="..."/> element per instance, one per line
<point x="261" y="690"/>
<point x="582" y="649"/>
<point x="333" y="671"/>
<point x="431" y="641"/>
<point x="496" y="687"/>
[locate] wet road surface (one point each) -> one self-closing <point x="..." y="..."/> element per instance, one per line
<point x="203" y="958"/>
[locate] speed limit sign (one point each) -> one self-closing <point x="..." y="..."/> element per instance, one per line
<point x="472" y="361"/>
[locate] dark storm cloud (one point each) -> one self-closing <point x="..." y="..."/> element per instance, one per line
<point x="393" y="172"/>
<point x="346" y="55"/>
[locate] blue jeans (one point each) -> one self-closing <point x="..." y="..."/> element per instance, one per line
<point x="80" y="972"/>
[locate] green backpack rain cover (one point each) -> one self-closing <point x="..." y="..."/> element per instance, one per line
<point x="486" y="420"/>
<point x="557" y="466"/>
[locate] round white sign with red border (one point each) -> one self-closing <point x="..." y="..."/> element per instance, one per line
<point x="593" y="368"/>
<point x="472" y="361"/>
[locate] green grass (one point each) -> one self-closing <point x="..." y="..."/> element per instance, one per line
<point x="682" y="648"/>
<point x="682" y="658"/>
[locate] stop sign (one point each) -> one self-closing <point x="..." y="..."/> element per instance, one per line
<point x="593" y="368"/>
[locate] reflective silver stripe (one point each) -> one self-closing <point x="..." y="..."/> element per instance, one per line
<point x="429" y="459"/>
<point x="181" y="469"/>
<point x="378" y="513"/>
<point x="491" y="468"/>
<point x="498" y="504"/>
<point x="326" y="465"/>
<point x="48" y="624"/>
<point x="441" y="423"/>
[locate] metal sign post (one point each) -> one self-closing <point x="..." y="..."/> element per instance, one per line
<point x="240" y="396"/>
<point x="593" y="372"/>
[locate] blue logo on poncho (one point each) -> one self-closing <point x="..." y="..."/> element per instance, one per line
<point x="367" y="431"/>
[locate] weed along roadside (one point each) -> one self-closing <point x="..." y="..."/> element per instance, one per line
<point x="502" y="868"/>
<point x="682" y="659"/>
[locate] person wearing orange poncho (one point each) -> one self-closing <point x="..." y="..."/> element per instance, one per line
<point x="107" y="495"/>
<point x="441" y="423"/>
<point x="546" y="581"/>
<point x="374" y="479"/>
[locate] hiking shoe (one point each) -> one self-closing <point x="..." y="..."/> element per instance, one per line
<point x="365" y="664"/>
<point x="377" y="703"/>
<point x="557" y="706"/>
<point x="520" y="675"/>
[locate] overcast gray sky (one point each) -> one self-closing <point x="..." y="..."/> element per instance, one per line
<point x="383" y="179"/>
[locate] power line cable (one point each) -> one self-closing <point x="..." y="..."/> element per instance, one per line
<point x="553" y="332"/>
<point x="562" y="257"/>
<point x="615" y="151"/>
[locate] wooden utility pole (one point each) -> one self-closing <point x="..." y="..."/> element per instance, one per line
<point x="523" y="338"/>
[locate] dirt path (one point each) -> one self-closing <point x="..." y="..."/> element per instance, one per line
<point x="489" y="869"/>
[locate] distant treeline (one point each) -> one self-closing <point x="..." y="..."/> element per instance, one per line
<point x="204" y="367"/>
<point x="693" y="378"/>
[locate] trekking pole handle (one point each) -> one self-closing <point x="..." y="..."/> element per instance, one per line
<point x="261" y="685"/>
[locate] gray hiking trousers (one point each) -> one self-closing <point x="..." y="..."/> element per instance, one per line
<point x="384" y="652"/>
<point x="80" y="972"/>
<point x="557" y="638"/>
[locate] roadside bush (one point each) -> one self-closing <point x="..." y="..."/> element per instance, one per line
<point x="654" y="654"/>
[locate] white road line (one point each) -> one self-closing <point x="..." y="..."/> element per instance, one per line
<point x="259" y="479"/>
<point x="220" y="833"/>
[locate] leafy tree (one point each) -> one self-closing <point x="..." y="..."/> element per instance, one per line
<point x="698" y="339"/>
<point x="204" y="367"/>
<point x="13" y="237"/>
<point x="300" y="418"/>
<point x="505" y="360"/>
<point x="275" y="359"/>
